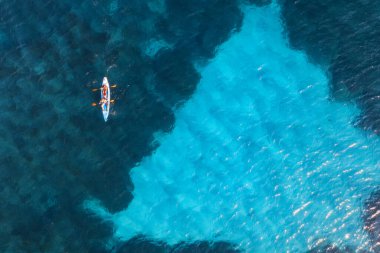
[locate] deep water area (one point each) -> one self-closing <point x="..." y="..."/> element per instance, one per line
<point x="343" y="37"/>
<point x="238" y="126"/>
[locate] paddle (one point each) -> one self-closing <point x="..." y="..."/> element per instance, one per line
<point x="112" y="101"/>
<point x="112" y="86"/>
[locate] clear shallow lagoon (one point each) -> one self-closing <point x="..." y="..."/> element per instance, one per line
<point x="259" y="155"/>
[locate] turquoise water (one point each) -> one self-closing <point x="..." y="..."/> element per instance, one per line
<point x="234" y="141"/>
<point x="259" y="156"/>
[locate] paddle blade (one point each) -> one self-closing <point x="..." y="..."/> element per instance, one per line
<point x="94" y="104"/>
<point x="112" y="101"/>
<point x="113" y="86"/>
<point x="95" y="89"/>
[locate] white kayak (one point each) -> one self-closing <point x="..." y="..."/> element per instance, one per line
<point x="106" y="106"/>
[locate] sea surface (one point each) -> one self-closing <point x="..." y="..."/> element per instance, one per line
<point x="238" y="126"/>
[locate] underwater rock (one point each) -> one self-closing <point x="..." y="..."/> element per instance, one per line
<point x="342" y="37"/>
<point x="142" y="245"/>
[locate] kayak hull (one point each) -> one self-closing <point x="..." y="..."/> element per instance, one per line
<point x="106" y="107"/>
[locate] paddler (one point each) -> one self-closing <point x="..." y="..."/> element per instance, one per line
<point x="104" y="90"/>
<point x="103" y="103"/>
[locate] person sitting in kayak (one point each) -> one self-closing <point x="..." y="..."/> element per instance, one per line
<point x="104" y="90"/>
<point x="103" y="103"/>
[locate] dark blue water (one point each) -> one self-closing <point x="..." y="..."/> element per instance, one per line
<point x="223" y="136"/>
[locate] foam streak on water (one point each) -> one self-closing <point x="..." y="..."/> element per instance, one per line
<point x="259" y="156"/>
